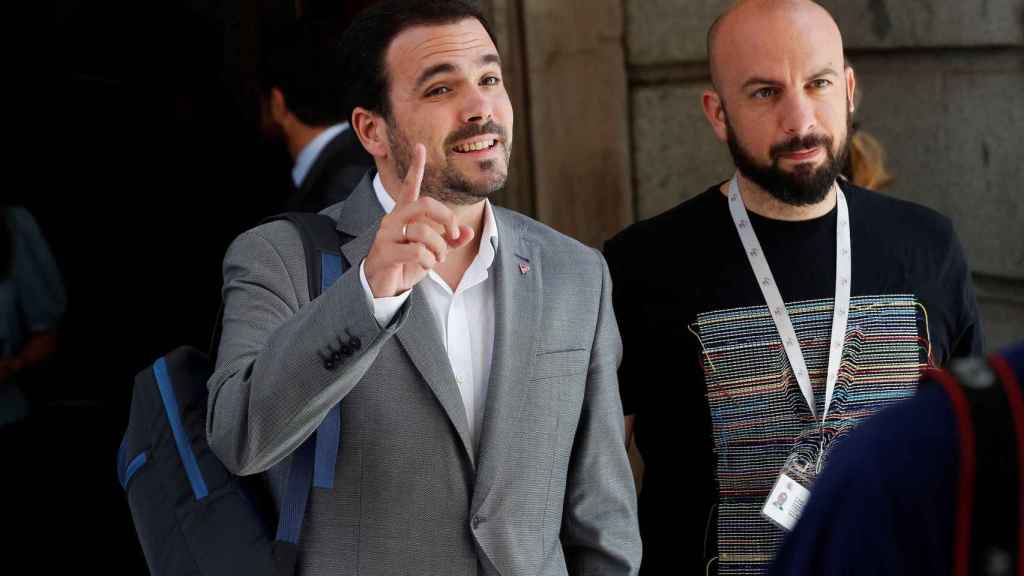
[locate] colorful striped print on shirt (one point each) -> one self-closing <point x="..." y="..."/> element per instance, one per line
<point x="759" y="416"/>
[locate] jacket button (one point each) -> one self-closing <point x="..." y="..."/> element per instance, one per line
<point x="355" y="343"/>
<point x="329" y="364"/>
<point x="336" y="357"/>
<point x="476" y="522"/>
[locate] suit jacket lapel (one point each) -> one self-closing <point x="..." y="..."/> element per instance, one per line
<point x="359" y="217"/>
<point x="422" y="338"/>
<point x="419" y="335"/>
<point x="517" y="307"/>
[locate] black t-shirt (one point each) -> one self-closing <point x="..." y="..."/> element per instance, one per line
<point x="705" y="374"/>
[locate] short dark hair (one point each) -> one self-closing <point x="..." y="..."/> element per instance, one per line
<point x="364" y="45"/>
<point x="298" y="58"/>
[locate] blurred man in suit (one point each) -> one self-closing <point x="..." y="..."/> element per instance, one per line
<point x="302" y="106"/>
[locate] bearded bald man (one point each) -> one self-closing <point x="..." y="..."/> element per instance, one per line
<point x="766" y="317"/>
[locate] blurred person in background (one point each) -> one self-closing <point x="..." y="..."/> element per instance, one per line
<point x="33" y="302"/>
<point x="303" y="107"/>
<point x="866" y="165"/>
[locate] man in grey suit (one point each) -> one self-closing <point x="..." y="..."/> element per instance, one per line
<point x="473" y="351"/>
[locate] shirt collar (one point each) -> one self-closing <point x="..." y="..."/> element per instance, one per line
<point x="310" y="152"/>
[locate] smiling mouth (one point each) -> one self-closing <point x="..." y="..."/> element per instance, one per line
<point x="800" y="154"/>
<point x="477" y="146"/>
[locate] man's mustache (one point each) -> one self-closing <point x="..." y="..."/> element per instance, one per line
<point x="471" y="130"/>
<point x="797" y="143"/>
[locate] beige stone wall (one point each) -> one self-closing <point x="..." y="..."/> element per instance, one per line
<point x="943" y="86"/>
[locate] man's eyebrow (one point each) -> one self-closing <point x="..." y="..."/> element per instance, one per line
<point x="756" y="80"/>
<point x="447" y="67"/>
<point x="826" y="71"/>
<point x="436" y="69"/>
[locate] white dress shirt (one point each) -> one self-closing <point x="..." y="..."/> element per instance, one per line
<point x="304" y="161"/>
<point x="464" y="316"/>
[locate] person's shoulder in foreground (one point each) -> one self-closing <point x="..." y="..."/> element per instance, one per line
<point x="888" y="499"/>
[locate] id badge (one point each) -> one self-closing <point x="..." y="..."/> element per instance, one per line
<point x="791" y="492"/>
<point x="786" y="502"/>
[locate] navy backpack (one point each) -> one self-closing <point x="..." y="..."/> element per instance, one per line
<point x="192" y="516"/>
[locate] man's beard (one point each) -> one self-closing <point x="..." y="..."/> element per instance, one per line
<point x="805" y="185"/>
<point x="446" y="183"/>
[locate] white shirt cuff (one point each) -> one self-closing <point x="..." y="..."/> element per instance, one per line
<point x="384" y="309"/>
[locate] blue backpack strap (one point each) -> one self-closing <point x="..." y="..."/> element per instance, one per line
<point x="328" y="435"/>
<point x="328" y="444"/>
<point x="188" y="458"/>
<point x="314" y="462"/>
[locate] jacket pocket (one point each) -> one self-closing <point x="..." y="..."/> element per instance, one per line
<point x="560" y="363"/>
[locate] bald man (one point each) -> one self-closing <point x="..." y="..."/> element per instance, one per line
<point x="767" y="316"/>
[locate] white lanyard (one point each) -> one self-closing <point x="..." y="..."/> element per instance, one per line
<point x="778" y="308"/>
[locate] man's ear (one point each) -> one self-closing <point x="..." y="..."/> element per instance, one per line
<point x="714" y="111"/>
<point x="372" y="131"/>
<point x="278" y="108"/>
<point x="851" y="89"/>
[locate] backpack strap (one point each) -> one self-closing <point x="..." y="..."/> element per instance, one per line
<point x="986" y="399"/>
<point x="181" y="440"/>
<point x="314" y="462"/>
<point x="1010" y="368"/>
<point x="321" y="242"/>
<point x="965" y="482"/>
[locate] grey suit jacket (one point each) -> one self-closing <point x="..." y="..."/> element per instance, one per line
<point x="550" y="491"/>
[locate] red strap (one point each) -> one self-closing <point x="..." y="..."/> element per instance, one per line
<point x="965" y="507"/>
<point x="1016" y="402"/>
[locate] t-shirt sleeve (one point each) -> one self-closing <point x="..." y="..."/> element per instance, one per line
<point x="628" y="315"/>
<point x="966" y="337"/>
